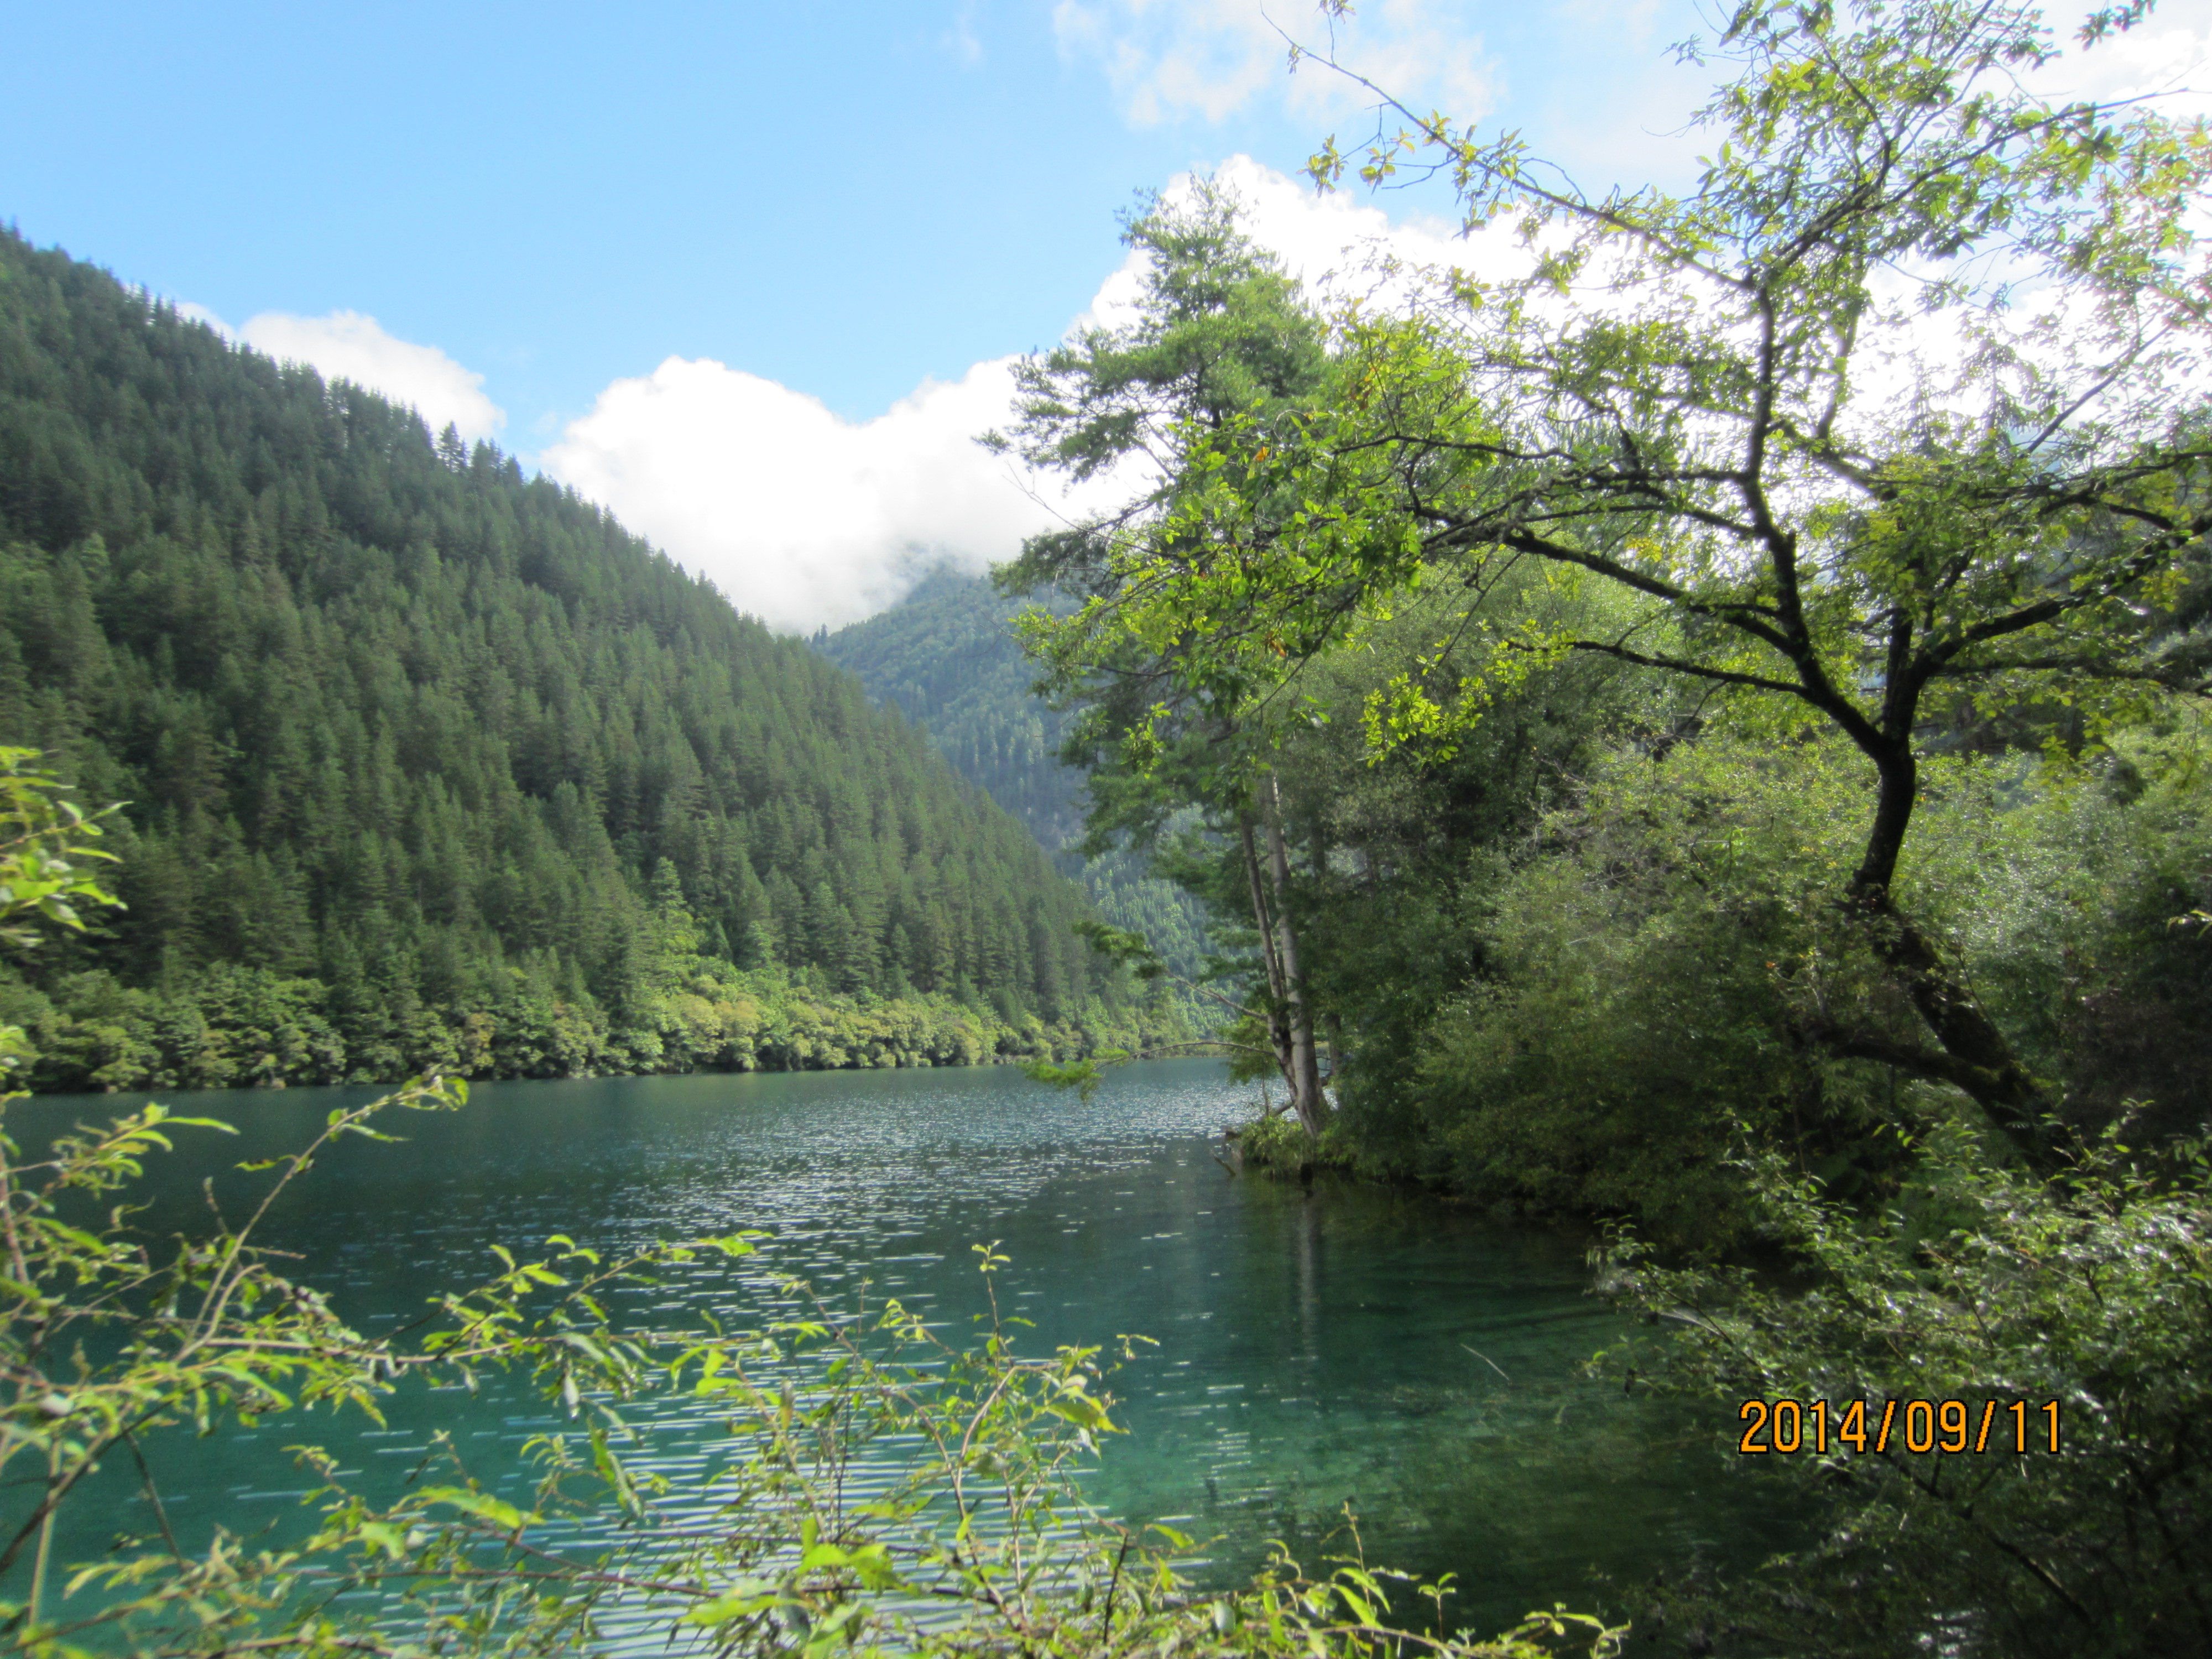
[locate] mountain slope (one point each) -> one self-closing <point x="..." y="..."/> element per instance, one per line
<point x="444" y="750"/>
<point x="946" y="655"/>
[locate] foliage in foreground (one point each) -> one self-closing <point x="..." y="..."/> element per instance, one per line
<point x="1661" y="955"/>
<point x="1990" y="1286"/>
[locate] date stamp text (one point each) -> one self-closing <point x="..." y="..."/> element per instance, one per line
<point x="1782" y="1427"/>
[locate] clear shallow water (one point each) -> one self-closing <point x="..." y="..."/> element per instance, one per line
<point x="1350" y="1346"/>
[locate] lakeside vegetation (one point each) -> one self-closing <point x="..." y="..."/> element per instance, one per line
<point x="1609" y="726"/>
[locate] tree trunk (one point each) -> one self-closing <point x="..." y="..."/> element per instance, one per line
<point x="1306" y="1094"/>
<point x="1279" y="1030"/>
<point x="1332" y="1023"/>
<point x="1975" y="1055"/>
<point x="1975" y="1058"/>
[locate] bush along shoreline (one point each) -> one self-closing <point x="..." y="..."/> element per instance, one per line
<point x="239" y="1027"/>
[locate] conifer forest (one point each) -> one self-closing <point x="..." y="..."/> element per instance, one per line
<point x="427" y="767"/>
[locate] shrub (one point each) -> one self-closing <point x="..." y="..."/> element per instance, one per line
<point x="1989" y="1288"/>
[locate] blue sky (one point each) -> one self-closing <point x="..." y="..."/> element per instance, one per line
<point x="724" y="265"/>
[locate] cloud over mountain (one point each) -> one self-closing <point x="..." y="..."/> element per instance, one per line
<point x="803" y="517"/>
<point x="345" y="345"/>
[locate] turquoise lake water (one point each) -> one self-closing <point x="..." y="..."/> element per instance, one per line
<point x="1344" y="1346"/>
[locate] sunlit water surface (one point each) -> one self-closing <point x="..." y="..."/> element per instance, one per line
<point x="1348" y="1347"/>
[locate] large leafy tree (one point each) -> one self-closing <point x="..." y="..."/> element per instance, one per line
<point x="1223" y="345"/>
<point x="1897" y="415"/>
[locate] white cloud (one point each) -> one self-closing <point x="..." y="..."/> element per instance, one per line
<point x="804" y="518"/>
<point x="962" y="40"/>
<point x="1340" y="245"/>
<point x="1170" y="58"/>
<point x="348" y="346"/>
<point x="2167" y="58"/>
<point x="1331" y="242"/>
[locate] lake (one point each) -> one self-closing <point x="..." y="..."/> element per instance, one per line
<point x="1348" y="1346"/>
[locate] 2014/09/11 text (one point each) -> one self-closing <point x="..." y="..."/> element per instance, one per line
<point x="1785" y="1426"/>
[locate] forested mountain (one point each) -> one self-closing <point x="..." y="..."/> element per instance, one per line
<point x="947" y="656"/>
<point x="428" y="763"/>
